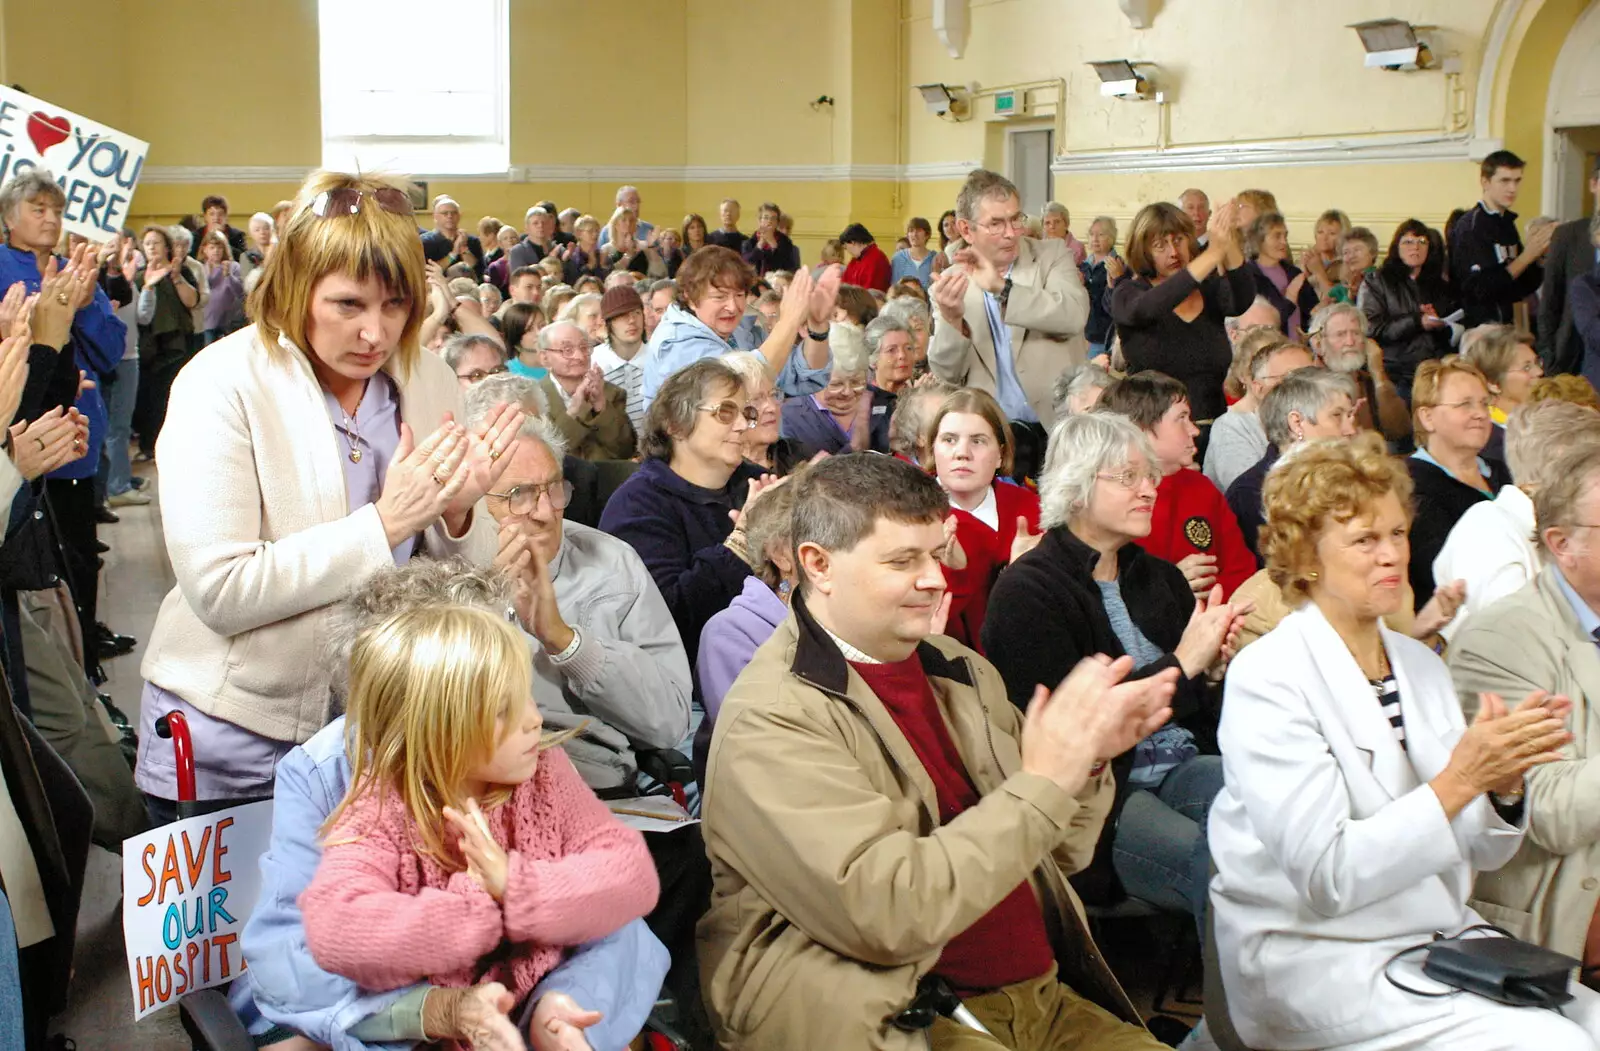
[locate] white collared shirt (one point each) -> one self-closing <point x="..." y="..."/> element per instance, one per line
<point x="1491" y="548"/>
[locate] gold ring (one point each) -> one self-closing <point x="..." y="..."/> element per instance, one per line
<point x="41" y="443"/>
<point x="494" y="454"/>
<point x="441" y="481"/>
<point x="61" y="297"/>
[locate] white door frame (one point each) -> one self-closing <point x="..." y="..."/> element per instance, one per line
<point x="1025" y="124"/>
<point x="1562" y="186"/>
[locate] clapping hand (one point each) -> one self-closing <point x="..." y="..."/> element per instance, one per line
<point x="950" y="292"/>
<point x="489" y="449"/>
<point x="757" y="487"/>
<point x="422" y="480"/>
<point x="14" y="309"/>
<point x="951" y="554"/>
<point x="824" y="295"/>
<point x="1024" y="541"/>
<point x="1440" y="610"/>
<point x="48" y="443"/>
<point x="1501" y="745"/>
<point x="487" y="862"/>
<point x="1092" y="716"/>
<point x="981" y="271"/>
<point x="13" y="370"/>
<point x="558" y="1024"/>
<point x="1212" y="633"/>
<point x="590" y="393"/>
<point x="481" y="1018"/>
<point x="1200" y="570"/>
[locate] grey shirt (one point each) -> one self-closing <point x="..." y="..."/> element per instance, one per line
<point x="629" y="676"/>
<point x="1237" y="443"/>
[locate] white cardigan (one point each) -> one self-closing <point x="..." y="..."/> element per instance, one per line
<point x="261" y="536"/>
<point x="1332" y="853"/>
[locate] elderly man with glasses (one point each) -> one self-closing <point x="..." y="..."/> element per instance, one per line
<point x="1011" y="309"/>
<point x="591" y="414"/>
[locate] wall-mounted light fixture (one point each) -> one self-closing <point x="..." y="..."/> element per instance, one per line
<point x="942" y="101"/>
<point x="1118" y="79"/>
<point x="1391" y="43"/>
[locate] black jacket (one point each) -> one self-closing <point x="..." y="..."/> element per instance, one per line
<point x="1306" y="301"/>
<point x="436" y="247"/>
<point x="1482" y="243"/>
<point x="783" y="256"/>
<point x="1392" y="301"/>
<point x="1440" y="501"/>
<point x="1245" y="495"/>
<point x="1571" y="256"/>
<point x="1046" y="614"/>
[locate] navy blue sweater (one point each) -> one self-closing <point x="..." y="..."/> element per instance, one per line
<point x="678" y="528"/>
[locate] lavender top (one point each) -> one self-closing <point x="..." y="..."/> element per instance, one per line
<point x="226" y="303"/>
<point x="231" y="761"/>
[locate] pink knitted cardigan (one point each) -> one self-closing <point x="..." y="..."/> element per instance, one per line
<point x="384" y="916"/>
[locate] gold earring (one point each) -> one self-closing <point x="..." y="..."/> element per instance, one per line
<point x="1311" y="575"/>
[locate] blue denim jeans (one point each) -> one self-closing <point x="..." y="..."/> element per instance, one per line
<point x="120" y="396"/>
<point x="1160" y="852"/>
<point x="10" y="980"/>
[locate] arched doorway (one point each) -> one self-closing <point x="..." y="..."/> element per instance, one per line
<point x="1572" y="120"/>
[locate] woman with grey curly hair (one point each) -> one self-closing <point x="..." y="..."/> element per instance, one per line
<point x="1089" y="588"/>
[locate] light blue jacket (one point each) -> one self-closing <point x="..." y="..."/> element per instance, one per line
<point x="619" y="975"/>
<point x="683" y="339"/>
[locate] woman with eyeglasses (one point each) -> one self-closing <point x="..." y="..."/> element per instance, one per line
<point x="1450" y="415"/>
<point x="1406" y="303"/>
<point x="1088" y="588"/>
<point x="848" y="414"/>
<point x="299" y="456"/>
<point x="679" y="509"/>
<point x="969" y="446"/>
<point x="1508" y="361"/>
<point x="1169" y="312"/>
<point x="764" y="444"/>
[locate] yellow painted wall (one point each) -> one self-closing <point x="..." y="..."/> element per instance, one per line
<point x="665" y="84"/>
<point x="1250" y="70"/>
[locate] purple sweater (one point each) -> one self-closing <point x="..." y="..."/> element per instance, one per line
<point x="727" y="644"/>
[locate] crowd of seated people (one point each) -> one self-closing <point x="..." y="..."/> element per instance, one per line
<point x="900" y="573"/>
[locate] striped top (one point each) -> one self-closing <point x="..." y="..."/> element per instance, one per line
<point x="627" y="374"/>
<point x="1387" y="690"/>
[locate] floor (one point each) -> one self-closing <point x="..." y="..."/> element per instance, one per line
<point x="136" y="577"/>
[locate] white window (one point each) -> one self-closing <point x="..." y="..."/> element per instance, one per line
<point x="393" y="100"/>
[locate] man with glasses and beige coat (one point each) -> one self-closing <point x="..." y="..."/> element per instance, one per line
<point x="1011" y="310"/>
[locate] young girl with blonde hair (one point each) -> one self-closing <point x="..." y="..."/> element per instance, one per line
<point x="468" y="849"/>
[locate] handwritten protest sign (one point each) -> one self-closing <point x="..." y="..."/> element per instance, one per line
<point x="187" y="889"/>
<point x="97" y="166"/>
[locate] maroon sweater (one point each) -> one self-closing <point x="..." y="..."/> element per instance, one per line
<point x="1008" y="944"/>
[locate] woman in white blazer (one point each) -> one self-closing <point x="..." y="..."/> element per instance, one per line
<point x="300" y="455"/>
<point x="1358" y="803"/>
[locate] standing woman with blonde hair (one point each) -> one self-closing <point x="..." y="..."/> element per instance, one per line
<point x="300" y="455"/>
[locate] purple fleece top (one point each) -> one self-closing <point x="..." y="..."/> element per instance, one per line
<point x="727" y="644"/>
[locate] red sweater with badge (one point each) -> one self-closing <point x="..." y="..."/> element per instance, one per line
<point x="1007" y="944"/>
<point x="988" y="551"/>
<point x="1192" y="517"/>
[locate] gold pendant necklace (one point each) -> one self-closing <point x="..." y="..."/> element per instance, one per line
<point x="352" y="436"/>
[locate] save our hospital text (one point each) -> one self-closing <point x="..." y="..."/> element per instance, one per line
<point x="194" y="873"/>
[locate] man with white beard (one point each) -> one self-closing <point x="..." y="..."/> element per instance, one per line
<point x="1338" y="334"/>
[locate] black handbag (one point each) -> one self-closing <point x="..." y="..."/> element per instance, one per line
<point x="1504" y="969"/>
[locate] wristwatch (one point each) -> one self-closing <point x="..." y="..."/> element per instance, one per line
<point x="819" y="337"/>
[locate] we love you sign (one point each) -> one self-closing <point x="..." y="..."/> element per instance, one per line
<point x="97" y="166"/>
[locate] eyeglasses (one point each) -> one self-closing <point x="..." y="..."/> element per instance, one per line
<point x="478" y="375"/>
<point x="847" y="388"/>
<point x="1413" y="242"/>
<point x="726" y="412"/>
<point x="347" y="201"/>
<point x="570" y="350"/>
<point x="996" y="227"/>
<point x="771" y="397"/>
<point x="1472" y="404"/>
<point x="1129" y="478"/>
<point x="522" y="499"/>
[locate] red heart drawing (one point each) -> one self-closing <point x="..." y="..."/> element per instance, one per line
<point x="46" y="131"/>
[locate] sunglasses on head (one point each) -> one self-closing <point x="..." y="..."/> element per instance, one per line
<point x="347" y="201"/>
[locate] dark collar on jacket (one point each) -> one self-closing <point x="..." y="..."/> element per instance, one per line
<point x="818" y="661"/>
<point x="1083" y="558"/>
<point x="662" y="475"/>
